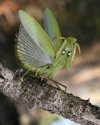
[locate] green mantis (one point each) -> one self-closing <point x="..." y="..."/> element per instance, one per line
<point x="44" y="52"/>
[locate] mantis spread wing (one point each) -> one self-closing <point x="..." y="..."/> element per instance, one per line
<point x="36" y="32"/>
<point x="30" y="48"/>
<point x="52" y="28"/>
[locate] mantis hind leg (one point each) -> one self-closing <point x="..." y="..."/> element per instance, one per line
<point x="57" y="84"/>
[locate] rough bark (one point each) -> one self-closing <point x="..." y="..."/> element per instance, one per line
<point x="35" y="93"/>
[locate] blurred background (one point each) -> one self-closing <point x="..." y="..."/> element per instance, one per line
<point x="77" y="18"/>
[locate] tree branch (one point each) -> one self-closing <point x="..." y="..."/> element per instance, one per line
<point x="35" y="93"/>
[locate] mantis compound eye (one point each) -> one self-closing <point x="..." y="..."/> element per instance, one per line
<point x="69" y="53"/>
<point x="63" y="52"/>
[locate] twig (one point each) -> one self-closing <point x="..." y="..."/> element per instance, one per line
<point x="35" y="93"/>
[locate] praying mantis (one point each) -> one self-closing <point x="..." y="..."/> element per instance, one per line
<point x="44" y="51"/>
